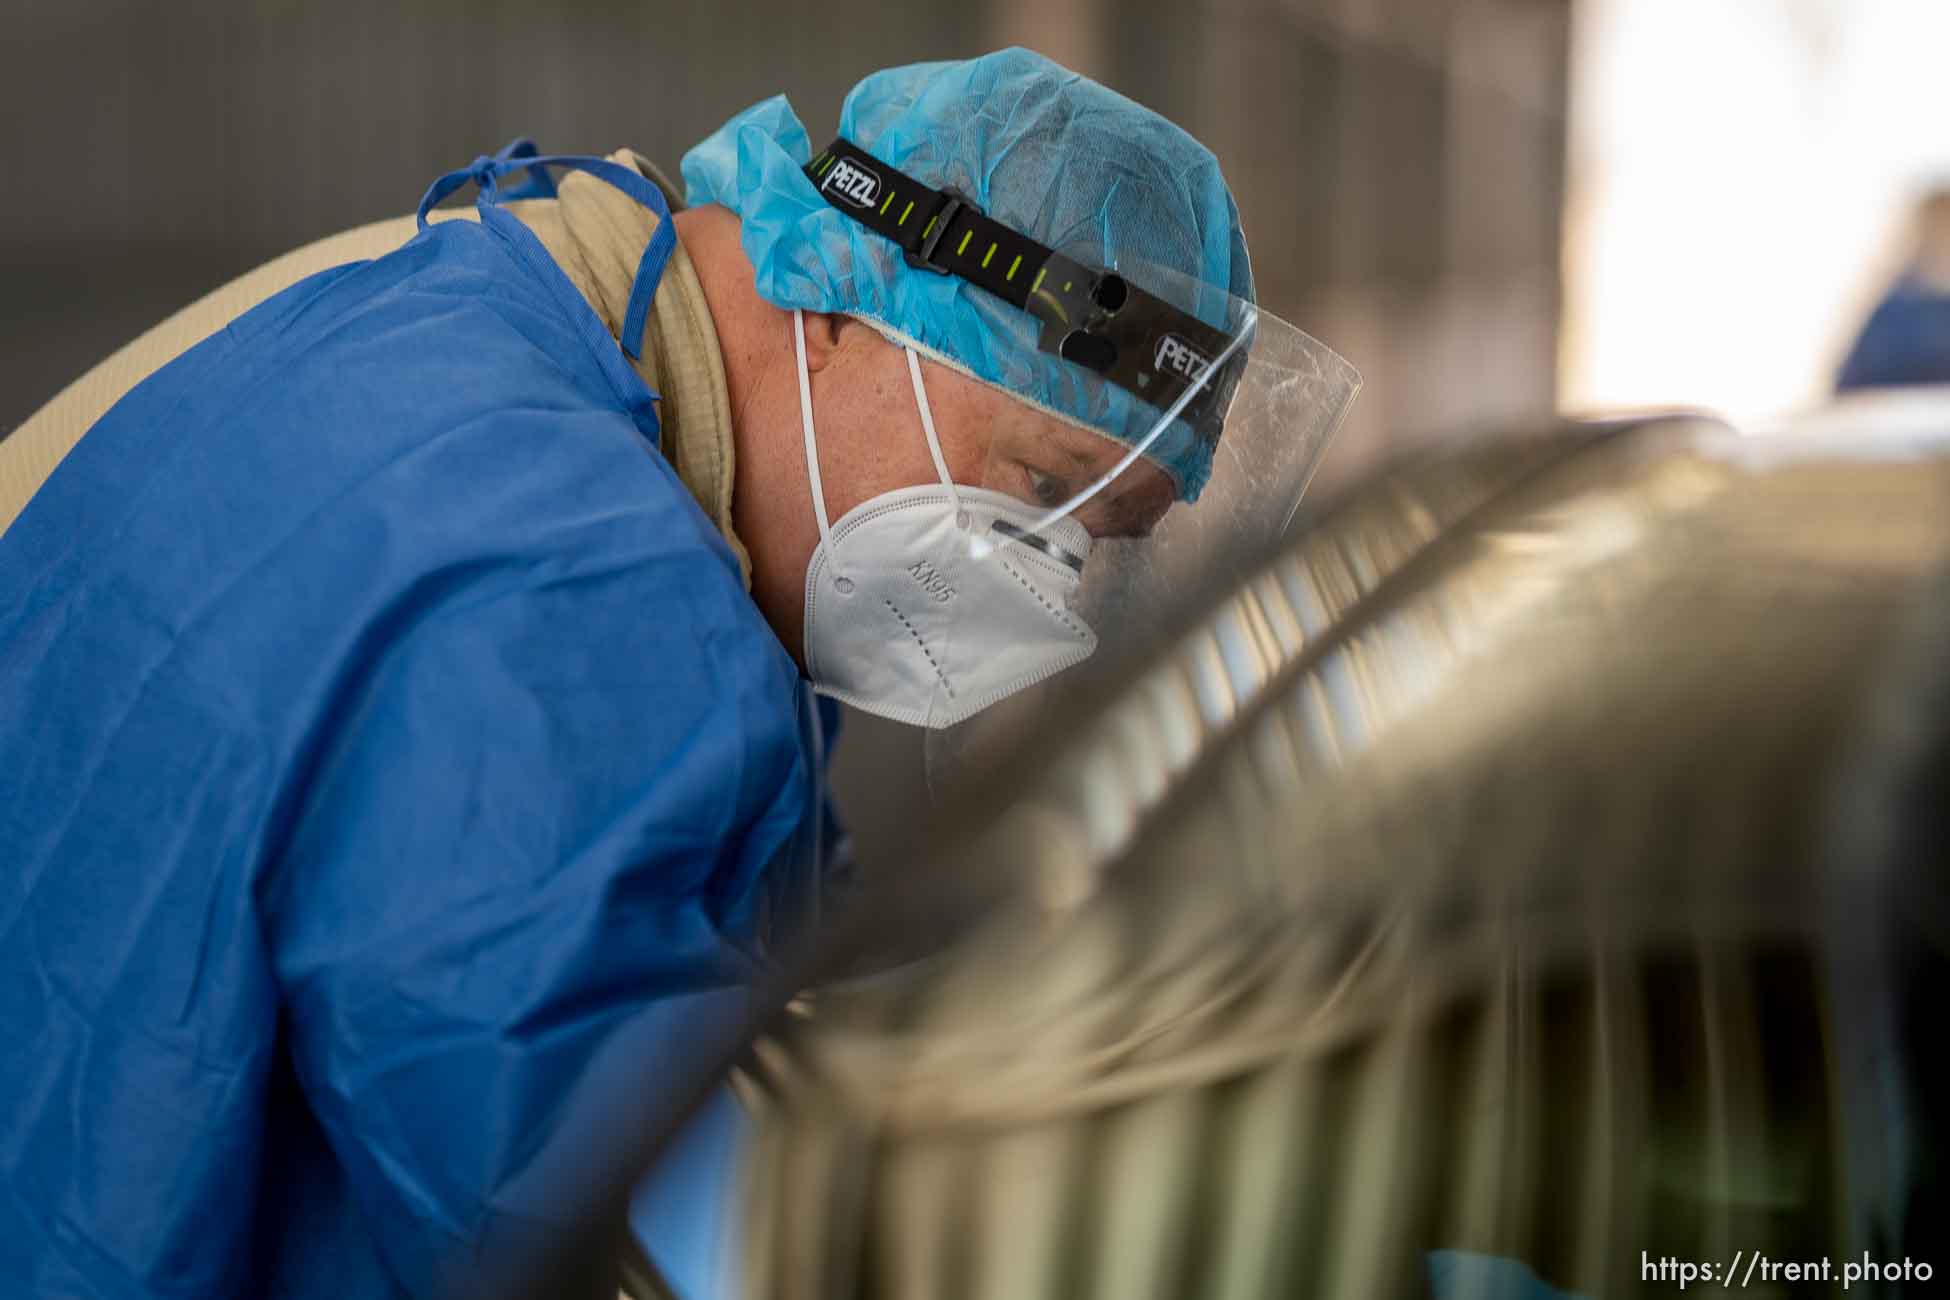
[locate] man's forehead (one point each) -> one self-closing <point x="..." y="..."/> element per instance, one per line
<point x="1082" y="448"/>
<point x="1087" y="450"/>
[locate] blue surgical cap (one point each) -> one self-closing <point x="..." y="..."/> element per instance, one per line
<point x="1037" y="147"/>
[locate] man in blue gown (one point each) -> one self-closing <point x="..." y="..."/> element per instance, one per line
<point x="403" y="691"/>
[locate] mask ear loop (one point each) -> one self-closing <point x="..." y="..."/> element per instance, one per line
<point x="841" y="582"/>
<point x="806" y="420"/>
<point x="934" y="442"/>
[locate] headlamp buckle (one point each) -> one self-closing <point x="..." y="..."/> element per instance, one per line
<point x="923" y="257"/>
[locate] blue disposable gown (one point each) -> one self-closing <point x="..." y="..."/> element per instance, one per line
<point x="388" y="752"/>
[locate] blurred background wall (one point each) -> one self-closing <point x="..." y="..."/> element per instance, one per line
<point x="1399" y="162"/>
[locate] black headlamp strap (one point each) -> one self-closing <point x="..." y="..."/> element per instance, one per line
<point x="1091" y="318"/>
<point x="940" y="230"/>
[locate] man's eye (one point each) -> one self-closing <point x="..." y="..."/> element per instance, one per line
<point x="1048" y="490"/>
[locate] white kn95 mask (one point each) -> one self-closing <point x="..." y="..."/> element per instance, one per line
<point x="908" y="618"/>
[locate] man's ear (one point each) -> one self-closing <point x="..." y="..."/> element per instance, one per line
<point x="823" y="336"/>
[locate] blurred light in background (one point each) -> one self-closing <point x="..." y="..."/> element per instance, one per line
<point x="1741" y="178"/>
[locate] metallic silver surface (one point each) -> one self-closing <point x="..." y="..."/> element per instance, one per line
<point x="1462" y="881"/>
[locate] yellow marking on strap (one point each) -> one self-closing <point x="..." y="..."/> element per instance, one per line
<point x="966" y="235"/>
<point x="1012" y="267"/>
<point x="929" y="228"/>
<point x="986" y="256"/>
<point x="904" y="211"/>
<point x="1054" y="304"/>
<point x="886" y="203"/>
<point x="1040" y="273"/>
<point x="827" y="166"/>
<point x="1067" y="284"/>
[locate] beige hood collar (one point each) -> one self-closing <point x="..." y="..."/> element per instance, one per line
<point x="597" y="235"/>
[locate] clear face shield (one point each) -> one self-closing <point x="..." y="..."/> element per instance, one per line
<point x="1222" y="411"/>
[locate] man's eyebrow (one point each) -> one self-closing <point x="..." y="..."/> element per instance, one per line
<point x="1125" y="521"/>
